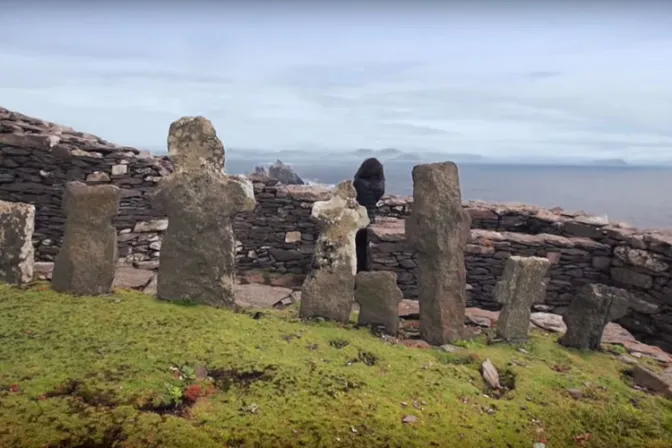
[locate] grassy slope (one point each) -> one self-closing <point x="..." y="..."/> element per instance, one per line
<point x="97" y="371"/>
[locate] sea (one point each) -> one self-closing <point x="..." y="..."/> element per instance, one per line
<point x="639" y="196"/>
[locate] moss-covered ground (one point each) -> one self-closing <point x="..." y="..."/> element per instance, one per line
<point x="130" y="371"/>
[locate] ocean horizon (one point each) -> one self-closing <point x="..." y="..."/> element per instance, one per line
<point x="635" y="195"/>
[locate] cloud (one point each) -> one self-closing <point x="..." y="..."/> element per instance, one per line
<point x="483" y="82"/>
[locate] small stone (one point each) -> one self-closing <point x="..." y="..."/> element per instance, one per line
<point x="490" y="374"/>
<point x="575" y="393"/>
<point x="409" y="419"/>
<point x="293" y="237"/>
<point x="157" y="225"/>
<point x="119" y="170"/>
<point x="657" y="383"/>
<point x="448" y="348"/>
<point x="98" y="176"/>
<point x="625" y="359"/>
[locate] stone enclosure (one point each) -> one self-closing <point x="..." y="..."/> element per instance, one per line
<point x="37" y="159"/>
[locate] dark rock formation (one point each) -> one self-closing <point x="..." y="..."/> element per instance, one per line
<point x="284" y="174"/>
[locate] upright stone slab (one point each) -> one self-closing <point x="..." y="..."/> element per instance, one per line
<point x="591" y="310"/>
<point x="17" y="223"/>
<point x="87" y="259"/>
<point x="197" y="259"/>
<point x="439" y="228"/>
<point x="328" y="291"/>
<point x="522" y="285"/>
<point x="378" y="297"/>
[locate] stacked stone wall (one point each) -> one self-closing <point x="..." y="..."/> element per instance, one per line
<point x="37" y="158"/>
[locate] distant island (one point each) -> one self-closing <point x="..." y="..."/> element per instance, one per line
<point x="609" y="162"/>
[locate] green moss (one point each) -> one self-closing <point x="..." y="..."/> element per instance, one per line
<point x="129" y="371"/>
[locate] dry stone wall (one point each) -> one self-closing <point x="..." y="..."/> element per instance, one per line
<point x="37" y="158"/>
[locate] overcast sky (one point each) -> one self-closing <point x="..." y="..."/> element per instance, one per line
<point x="589" y="80"/>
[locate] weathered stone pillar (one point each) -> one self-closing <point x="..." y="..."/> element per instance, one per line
<point x="86" y="262"/>
<point x="378" y="297"/>
<point x="197" y="259"/>
<point x="591" y="310"/>
<point x="328" y="291"/>
<point x="439" y="229"/>
<point x="17" y="223"/>
<point x="522" y="285"/>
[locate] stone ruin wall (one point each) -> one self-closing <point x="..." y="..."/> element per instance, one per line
<point x="37" y="158"/>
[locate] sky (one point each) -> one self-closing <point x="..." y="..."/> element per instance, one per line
<point x="566" y="79"/>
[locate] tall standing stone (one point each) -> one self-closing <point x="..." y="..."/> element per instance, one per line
<point x="439" y="229"/>
<point x="328" y="290"/>
<point x="378" y="297"/>
<point x="522" y="285"/>
<point x="17" y="255"/>
<point x="86" y="262"/>
<point x="591" y="310"/>
<point x="197" y="259"/>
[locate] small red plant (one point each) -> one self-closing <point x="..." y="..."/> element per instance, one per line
<point x="193" y="392"/>
<point x="15" y="388"/>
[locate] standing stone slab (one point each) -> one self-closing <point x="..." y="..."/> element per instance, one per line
<point x="197" y="258"/>
<point x="591" y="310"/>
<point x="439" y="228"/>
<point x="522" y="286"/>
<point x="378" y="297"/>
<point x="17" y="223"/>
<point x="328" y="290"/>
<point x="86" y="263"/>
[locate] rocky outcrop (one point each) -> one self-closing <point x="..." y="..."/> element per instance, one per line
<point x="279" y="171"/>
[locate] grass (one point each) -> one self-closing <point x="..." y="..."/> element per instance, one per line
<point x="130" y="371"/>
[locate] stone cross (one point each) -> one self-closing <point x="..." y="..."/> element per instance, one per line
<point x="439" y="229"/>
<point x="197" y="258"/>
<point x="591" y="310"/>
<point x="378" y="297"/>
<point x="17" y="255"/>
<point x="328" y="291"/>
<point x="522" y="286"/>
<point x="86" y="262"/>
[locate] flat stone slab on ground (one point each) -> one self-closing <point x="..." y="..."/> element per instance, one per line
<point x="658" y="383"/>
<point x="131" y="278"/>
<point x="42" y="270"/>
<point x="260" y="296"/>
